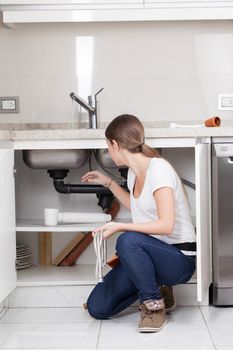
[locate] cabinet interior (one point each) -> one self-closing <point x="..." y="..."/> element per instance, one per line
<point x="35" y="191"/>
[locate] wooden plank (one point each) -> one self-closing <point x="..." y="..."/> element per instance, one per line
<point x="42" y="248"/>
<point x="48" y="248"/>
<point x="45" y="243"/>
<point x="70" y="259"/>
<point x="68" y="248"/>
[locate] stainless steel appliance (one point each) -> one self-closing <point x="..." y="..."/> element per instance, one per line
<point x="222" y="205"/>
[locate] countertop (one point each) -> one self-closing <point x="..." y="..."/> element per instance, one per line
<point x="72" y="131"/>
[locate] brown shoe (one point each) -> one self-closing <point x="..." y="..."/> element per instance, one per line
<point x="153" y="316"/>
<point x="169" y="300"/>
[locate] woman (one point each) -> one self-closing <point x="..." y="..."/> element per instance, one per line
<point x="157" y="248"/>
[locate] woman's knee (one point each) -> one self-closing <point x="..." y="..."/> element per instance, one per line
<point x="126" y="240"/>
<point x="96" y="310"/>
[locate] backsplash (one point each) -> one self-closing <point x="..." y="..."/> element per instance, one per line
<point x="159" y="71"/>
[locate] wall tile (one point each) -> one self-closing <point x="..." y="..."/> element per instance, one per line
<point x="156" y="70"/>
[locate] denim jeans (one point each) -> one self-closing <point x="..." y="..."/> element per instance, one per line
<point x="146" y="263"/>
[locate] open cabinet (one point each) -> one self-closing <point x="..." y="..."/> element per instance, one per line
<point x="7" y="221"/>
<point x="34" y="192"/>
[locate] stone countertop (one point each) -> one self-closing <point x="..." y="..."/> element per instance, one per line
<point x="72" y="131"/>
<point x="5" y="135"/>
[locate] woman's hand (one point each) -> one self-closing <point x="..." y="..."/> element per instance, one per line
<point x="95" y="177"/>
<point x="108" y="229"/>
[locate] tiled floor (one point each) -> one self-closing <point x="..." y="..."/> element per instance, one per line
<point x="188" y="328"/>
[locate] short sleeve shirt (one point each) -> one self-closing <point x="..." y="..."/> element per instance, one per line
<point x="161" y="174"/>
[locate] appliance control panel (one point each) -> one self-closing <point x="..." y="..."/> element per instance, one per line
<point x="223" y="149"/>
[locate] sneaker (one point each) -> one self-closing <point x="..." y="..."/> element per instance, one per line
<point x="153" y="316"/>
<point x="169" y="300"/>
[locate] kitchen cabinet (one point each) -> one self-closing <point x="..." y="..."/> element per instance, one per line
<point x="42" y="192"/>
<point x="7" y="221"/>
<point x="203" y="219"/>
<point x="187" y="3"/>
<point x="28" y="11"/>
<point x="190" y="9"/>
<point x="68" y="2"/>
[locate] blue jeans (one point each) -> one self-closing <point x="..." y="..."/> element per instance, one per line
<point x="146" y="263"/>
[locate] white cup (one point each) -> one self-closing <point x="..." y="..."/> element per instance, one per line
<point x="50" y="216"/>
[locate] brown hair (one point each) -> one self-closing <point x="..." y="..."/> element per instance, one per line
<point x="128" y="131"/>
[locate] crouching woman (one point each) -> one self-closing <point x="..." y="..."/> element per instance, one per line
<point x="158" y="247"/>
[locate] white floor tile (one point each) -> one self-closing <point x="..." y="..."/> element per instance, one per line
<point x="131" y="314"/>
<point x="213" y="314"/>
<point x="76" y="335"/>
<point x="67" y="328"/>
<point x="219" y="321"/>
<point x="47" y="315"/>
<point x="187" y="314"/>
<point x="222" y="334"/>
<point x="176" y="333"/>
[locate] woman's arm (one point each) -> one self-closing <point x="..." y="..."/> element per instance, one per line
<point x="117" y="190"/>
<point x="164" y="198"/>
<point x="121" y="194"/>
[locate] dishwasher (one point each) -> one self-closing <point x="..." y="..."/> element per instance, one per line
<point x="222" y="220"/>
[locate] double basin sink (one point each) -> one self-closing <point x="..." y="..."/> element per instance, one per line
<point x="64" y="158"/>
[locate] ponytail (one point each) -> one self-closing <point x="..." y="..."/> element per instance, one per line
<point x="149" y="151"/>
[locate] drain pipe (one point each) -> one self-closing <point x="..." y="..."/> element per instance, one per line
<point x="58" y="176"/>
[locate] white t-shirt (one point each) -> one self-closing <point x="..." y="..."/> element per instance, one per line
<point x="143" y="209"/>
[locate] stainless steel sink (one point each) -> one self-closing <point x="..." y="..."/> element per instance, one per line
<point x="104" y="159"/>
<point x="56" y="158"/>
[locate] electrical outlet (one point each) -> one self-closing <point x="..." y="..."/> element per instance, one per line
<point x="225" y="102"/>
<point x="9" y="104"/>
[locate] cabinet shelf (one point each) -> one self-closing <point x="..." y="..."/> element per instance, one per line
<point x="37" y="225"/>
<point x="82" y="274"/>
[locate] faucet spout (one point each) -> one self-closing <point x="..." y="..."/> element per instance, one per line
<point x="82" y="103"/>
<point x="90" y="107"/>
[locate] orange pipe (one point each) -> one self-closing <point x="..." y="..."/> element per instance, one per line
<point x="214" y="121"/>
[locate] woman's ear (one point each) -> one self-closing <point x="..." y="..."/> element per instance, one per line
<point x="115" y="145"/>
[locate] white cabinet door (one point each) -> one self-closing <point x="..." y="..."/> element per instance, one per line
<point x="189" y="9"/>
<point x="40" y="11"/>
<point x="7" y="223"/>
<point x="203" y="220"/>
<point x="190" y="3"/>
<point x="67" y="2"/>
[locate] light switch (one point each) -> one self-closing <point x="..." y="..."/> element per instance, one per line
<point x="225" y="102"/>
<point x="9" y="104"/>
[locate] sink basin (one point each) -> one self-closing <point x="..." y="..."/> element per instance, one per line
<point x="104" y="159"/>
<point x="55" y="158"/>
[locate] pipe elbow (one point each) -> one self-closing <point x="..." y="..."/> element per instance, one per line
<point x="61" y="187"/>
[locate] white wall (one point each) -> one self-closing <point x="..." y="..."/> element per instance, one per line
<point x="156" y="70"/>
